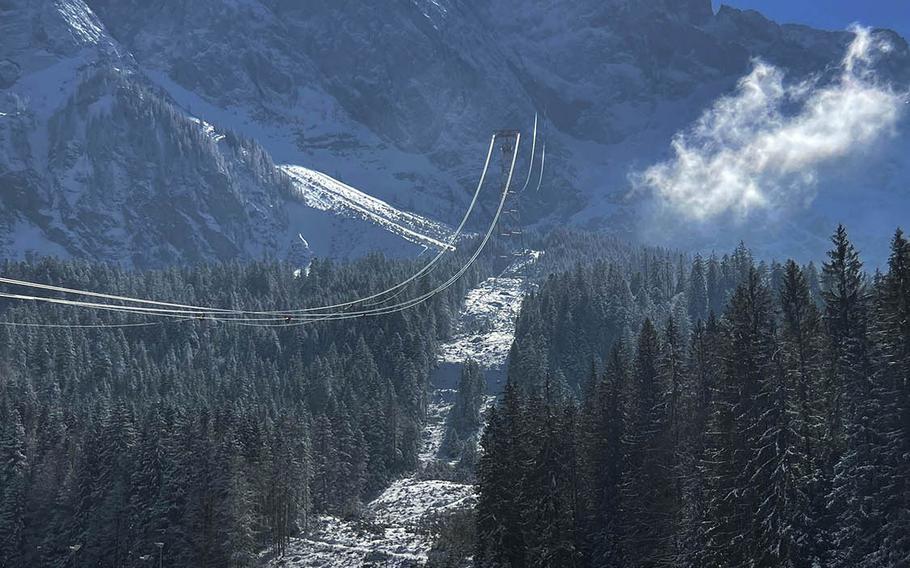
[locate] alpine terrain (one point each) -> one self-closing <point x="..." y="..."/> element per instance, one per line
<point x="454" y="284"/>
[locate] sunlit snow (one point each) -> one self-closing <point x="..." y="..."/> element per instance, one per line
<point x="394" y="530"/>
<point x="323" y="192"/>
<point x="486" y="327"/>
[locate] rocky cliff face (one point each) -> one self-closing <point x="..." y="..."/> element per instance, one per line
<point x="398" y="98"/>
<point x="97" y="161"/>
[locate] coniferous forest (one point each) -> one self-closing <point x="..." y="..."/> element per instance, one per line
<point x="215" y="440"/>
<point x="454" y="284"/>
<point x="661" y="409"/>
<point x="706" y="412"/>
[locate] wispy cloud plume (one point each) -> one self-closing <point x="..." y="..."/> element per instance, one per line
<point x="748" y="153"/>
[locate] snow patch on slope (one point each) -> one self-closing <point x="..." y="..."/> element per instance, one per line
<point x="486" y="327"/>
<point x="394" y="530"/>
<point x="434" y="429"/>
<point x="208" y="128"/>
<point x="325" y="193"/>
<point x="316" y="131"/>
<point x="82" y="22"/>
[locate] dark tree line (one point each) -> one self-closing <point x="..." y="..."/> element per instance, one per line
<point x="216" y="440"/>
<point x="775" y="433"/>
<point x="579" y="313"/>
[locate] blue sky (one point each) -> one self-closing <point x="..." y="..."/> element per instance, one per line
<point x="832" y="14"/>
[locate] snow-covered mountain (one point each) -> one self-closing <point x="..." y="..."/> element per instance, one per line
<point x="97" y="161"/>
<point x="397" y="100"/>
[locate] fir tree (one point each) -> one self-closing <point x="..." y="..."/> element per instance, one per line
<point x="851" y="432"/>
<point x="464" y="419"/>
<point x="606" y="475"/>
<point x="500" y="524"/>
<point x="802" y="415"/>
<point x="647" y="486"/>
<point x="13" y="487"/>
<point x="698" y="291"/>
<point x="892" y="383"/>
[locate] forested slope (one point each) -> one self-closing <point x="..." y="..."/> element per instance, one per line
<point x="705" y="413"/>
<point x="216" y="440"/>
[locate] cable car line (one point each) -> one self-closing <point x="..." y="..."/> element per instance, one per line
<point x="454" y="278"/>
<point x="543" y="157"/>
<point x="179" y="308"/>
<point x="531" y="161"/>
<point x="188" y="312"/>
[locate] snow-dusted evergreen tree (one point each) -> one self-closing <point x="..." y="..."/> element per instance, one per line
<point x="851" y="429"/>
<point x="551" y="485"/>
<point x="148" y="489"/>
<point x="736" y="455"/>
<point x="602" y="451"/>
<point x="797" y="406"/>
<point x="13" y="486"/>
<point x="464" y="419"/>
<point x="891" y="340"/>
<point x="501" y="504"/>
<point x="675" y="382"/>
<point x="647" y="487"/>
<point x="698" y="291"/>
<point x="704" y="368"/>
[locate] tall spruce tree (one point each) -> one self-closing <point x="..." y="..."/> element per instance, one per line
<point x="603" y="449"/>
<point x="13" y="487"/>
<point x="464" y="419"/>
<point x="698" y="299"/>
<point x="551" y="498"/>
<point x="501" y="505"/>
<point x="851" y="432"/>
<point x="891" y="334"/>
<point x="647" y="486"/>
<point x="800" y="425"/>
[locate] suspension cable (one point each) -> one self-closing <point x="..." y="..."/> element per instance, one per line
<point x="190" y="312"/>
<point x="181" y="308"/>
<point x="531" y="162"/>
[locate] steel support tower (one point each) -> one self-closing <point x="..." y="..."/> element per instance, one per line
<point x="510" y="228"/>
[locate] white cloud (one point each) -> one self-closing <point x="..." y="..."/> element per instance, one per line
<point x="752" y="151"/>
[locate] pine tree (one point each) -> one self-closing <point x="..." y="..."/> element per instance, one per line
<point x="464" y="419"/>
<point x="647" y="485"/>
<point x="853" y="405"/>
<point x="674" y="379"/>
<point x="802" y="414"/>
<point x="13" y="487"/>
<point x="147" y="510"/>
<point x="551" y="487"/>
<point x="234" y="542"/>
<point x="326" y="457"/>
<point x="892" y="383"/>
<point x="736" y="454"/>
<point x="714" y="285"/>
<point x="704" y="378"/>
<point x="698" y="291"/>
<point x="604" y="448"/>
<point x="500" y="506"/>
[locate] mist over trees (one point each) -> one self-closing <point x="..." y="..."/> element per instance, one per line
<point x="705" y="413"/>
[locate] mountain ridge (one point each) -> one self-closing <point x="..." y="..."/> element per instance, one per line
<point x="398" y="100"/>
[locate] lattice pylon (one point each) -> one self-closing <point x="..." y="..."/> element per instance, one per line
<point x="510" y="227"/>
